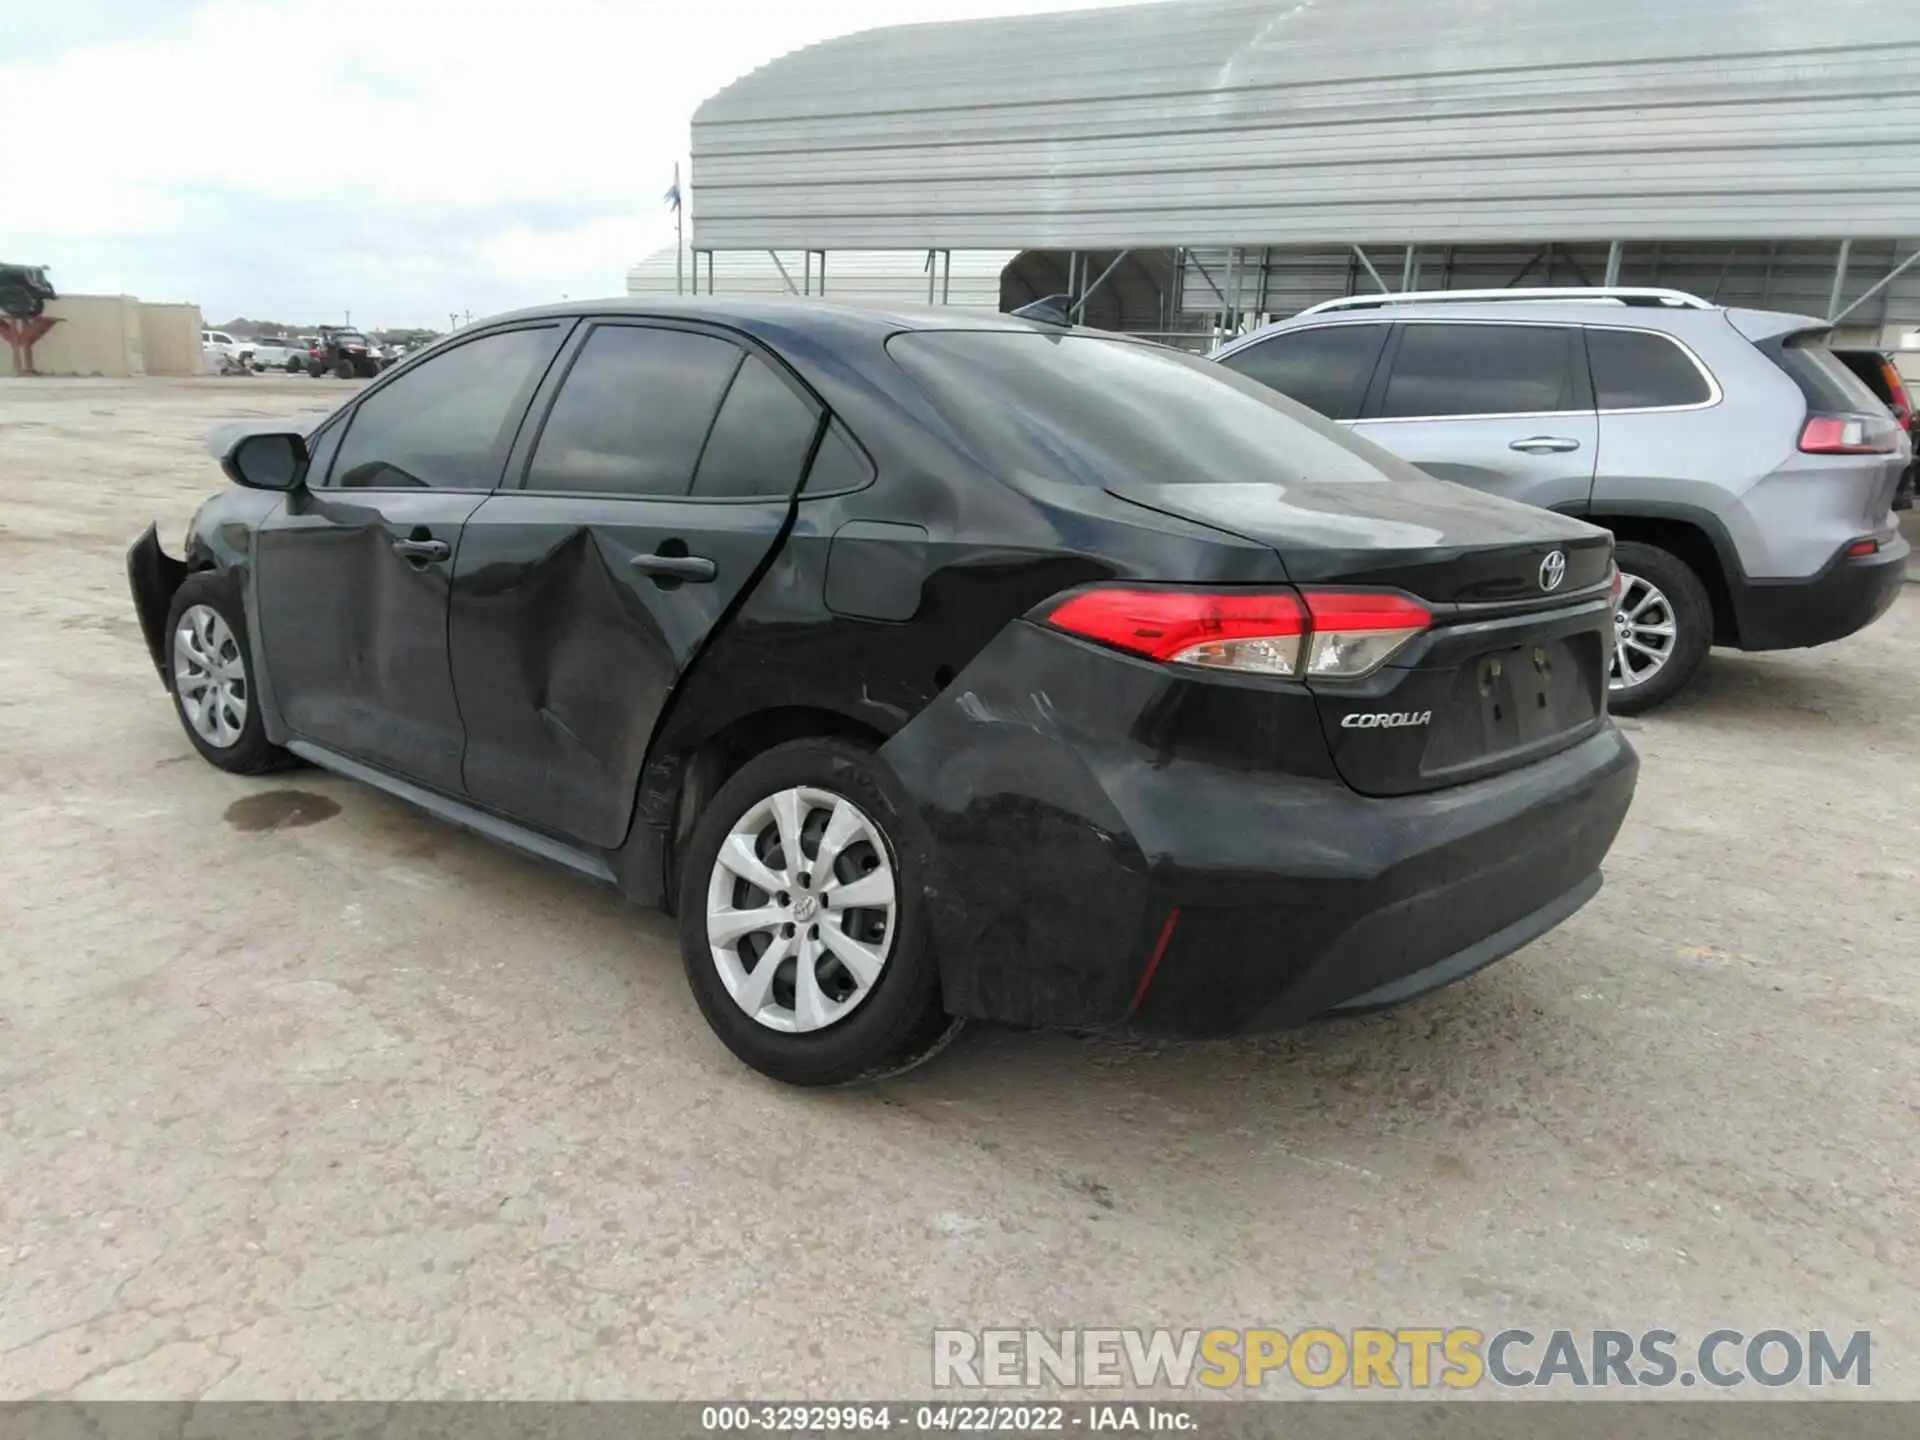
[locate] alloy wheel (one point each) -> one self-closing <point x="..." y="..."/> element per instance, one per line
<point x="801" y="909"/>
<point x="1645" y="633"/>
<point x="210" y="677"/>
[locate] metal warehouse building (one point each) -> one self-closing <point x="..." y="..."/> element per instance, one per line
<point x="1202" y="162"/>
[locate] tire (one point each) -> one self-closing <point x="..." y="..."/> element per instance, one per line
<point x="315" y="369"/>
<point x="294" y="367"/>
<point x="844" y="1031"/>
<point x="18" y="300"/>
<point x="192" y="639"/>
<point x="344" y="370"/>
<point x="1681" y="603"/>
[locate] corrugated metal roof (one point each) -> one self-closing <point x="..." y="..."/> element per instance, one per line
<point x="1249" y="122"/>
<point x="860" y="277"/>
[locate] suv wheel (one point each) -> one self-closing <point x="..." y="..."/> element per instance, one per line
<point x="803" y="919"/>
<point x="1663" y="627"/>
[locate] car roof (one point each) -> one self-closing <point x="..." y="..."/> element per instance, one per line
<point x="789" y="316"/>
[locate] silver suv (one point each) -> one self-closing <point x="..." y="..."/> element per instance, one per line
<point x="1747" y="474"/>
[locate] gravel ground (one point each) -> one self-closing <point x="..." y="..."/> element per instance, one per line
<point x="317" y="1097"/>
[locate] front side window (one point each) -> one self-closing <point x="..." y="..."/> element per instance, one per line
<point x="435" y="427"/>
<point x="1450" y="370"/>
<point x="1636" y="370"/>
<point x="1326" y="368"/>
<point x="634" y="413"/>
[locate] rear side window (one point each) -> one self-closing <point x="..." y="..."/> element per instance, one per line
<point x="1635" y="370"/>
<point x="839" y="465"/>
<point x="1871" y="369"/>
<point x="1822" y="377"/>
<point x="1066" y="407"/>
<point x="1326" y="368"/>
<point x="633" y="413"/>
<point x="1443" y="371"/>
<point x="436" y="425"/>
<point x="761" y="440"/>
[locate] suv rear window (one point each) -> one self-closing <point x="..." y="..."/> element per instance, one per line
<point x="1097" y="410"/>
<point x="1636" y="370"/>
<point x="1822" y="376"/>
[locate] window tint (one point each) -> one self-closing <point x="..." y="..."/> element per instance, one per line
<point x="1444" y="370"/>
<point x="839" y="465"/>
<point x="1823" y="379"/>
<point x="1101" y="412"/>
<point x="633" y="413"/>
<point x="762" y="438"/>
<point x="1325" y="369"/>
<point x="1633" y="370"/>
<point x="435" y="426"/>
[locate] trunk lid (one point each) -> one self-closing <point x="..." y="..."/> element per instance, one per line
<point x="1514" y="666"/>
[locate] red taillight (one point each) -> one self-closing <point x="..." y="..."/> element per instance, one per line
<point x="1326" y="632"/>
<point x="1192" y="628"/>
<point x="1848" y="435"/>
<point x="1863" y="547"/>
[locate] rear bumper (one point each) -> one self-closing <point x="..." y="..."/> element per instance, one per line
<point x="1848" y="595"/>
<point x="1097" y="866"/>
<point x="153" y="575"/>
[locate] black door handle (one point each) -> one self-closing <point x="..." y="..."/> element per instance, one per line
<point x="676" y="567"/>
<point x="423" y="549"/>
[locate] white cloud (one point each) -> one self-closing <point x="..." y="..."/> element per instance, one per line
<point x="402" y="158"/>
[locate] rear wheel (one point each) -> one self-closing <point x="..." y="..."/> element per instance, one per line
<point x="211" y="676"/>
<point x="803" y="921"/>
<point x="1663" y="626"/>
<point x="344" y="370"/>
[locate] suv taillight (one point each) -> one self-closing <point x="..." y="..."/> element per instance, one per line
<point x="1848" y="435"/>
<point x="1335" y="634"/>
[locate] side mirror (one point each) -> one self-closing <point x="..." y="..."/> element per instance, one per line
<point x="267" y="462"/>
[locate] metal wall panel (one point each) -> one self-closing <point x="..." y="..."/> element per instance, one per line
<point x="1300" y="122"/>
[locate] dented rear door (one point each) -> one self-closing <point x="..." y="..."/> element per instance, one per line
<point x="646" y="499"/>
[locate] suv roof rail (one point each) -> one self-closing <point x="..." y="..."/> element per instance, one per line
<point x="1598" y="294"/>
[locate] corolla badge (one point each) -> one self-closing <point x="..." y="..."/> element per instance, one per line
<point x="1553" y="570"/>
<point x="1385" y="719"/>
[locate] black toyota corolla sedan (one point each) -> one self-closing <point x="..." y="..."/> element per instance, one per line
<point x="927" y="666"/>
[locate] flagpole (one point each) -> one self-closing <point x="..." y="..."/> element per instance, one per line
<point x="679" y="243"/>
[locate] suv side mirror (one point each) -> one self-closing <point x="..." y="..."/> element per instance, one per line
<point x="267" y="462"/>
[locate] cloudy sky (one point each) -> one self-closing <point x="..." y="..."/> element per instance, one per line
<point x="402" y="159"/>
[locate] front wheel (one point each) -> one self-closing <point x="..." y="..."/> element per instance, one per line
<point x="211" y="675"/>
<point x="1663" y="626"/>
<point x="803" y="918"/>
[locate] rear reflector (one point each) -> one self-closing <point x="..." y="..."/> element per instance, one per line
<point x="1863" y="547"/>
<point x="1848" y="435"/>
<point x="1330" y="633"/>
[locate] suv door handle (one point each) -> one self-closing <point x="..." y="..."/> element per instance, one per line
<point x="1545" y="445"/>
<point x="676" y="567"/>
<point x="423" y="549"/>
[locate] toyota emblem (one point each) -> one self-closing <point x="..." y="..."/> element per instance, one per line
<point x="1553" y="570"/>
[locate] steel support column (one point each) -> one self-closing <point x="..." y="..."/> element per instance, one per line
<point x="1840" y="281"/>
<point x="1613" y="264"/>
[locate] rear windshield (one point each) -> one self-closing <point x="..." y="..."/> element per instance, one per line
<point x="1094" y="410"/>
<point x="1823" y="377"/>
